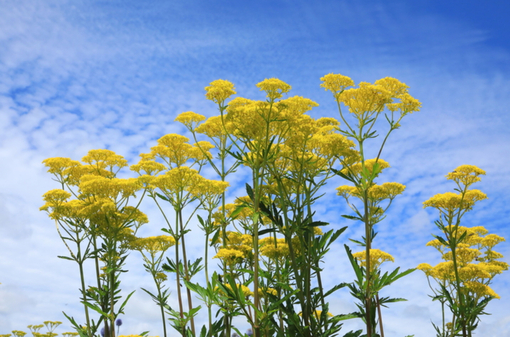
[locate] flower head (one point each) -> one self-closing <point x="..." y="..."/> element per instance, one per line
<point x="336" y="83"/>
<point x="218" y="91"/>
<point x="189" y="119"/>
<point x="274" y="88"/>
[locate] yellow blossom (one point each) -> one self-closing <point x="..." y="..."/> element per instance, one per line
<point x="450" y="201"/>
<point x="466" y="174"/>
<point x="153" y="244"/>
<point x="188" y="118"/>
<point x="274" y="88"/>
<point x="149" y="167"/>
<point x="365" y="100"/>
<point x="336" y="83"/>
<point x="377" y="257"/>
<point x="229" y="256"/>
<point x="272" y="249"/>
<point x="369" y="165"/>
<point x="213" y="127"/>
<point x="218" y="91"/>
<point x="480" y="289"/>
<point x="104" y="159"/>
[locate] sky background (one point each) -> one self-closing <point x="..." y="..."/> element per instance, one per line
<point x="81" y="75"/>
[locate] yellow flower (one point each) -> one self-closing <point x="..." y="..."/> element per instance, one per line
<point x="480" y="289"/>
<point x="173" y="149"/>
<point x="369" y="165"/>
<point x="450" y="201"/>
<point x="473" y="271"/>
<point x="58" y="165"/>
<point x="213" y="127"/>
<point x="176" y="180"/>
<point x="377" y="257"/>
<point x="318" y="314"/>
<point x="336" y="83"/>
<point x="150" y="167"/>
<point x="70" y="334"/>
<point x="491" y="240"/>
<point x="346" y="191"/>
<point x="263" y="291"/>
<point x="466" y="174"/>
<point x="153" y="244"/>
<point x="218" y="91"/>
<point x="408" y="104"/>
<point x="229" y="256"/>
<point x="394" y="86"/>
<point x="104" y="159"/>
<point x="208" y="191"/>
<point x="188" y="118"/>
<point x="425" y="267"/>
<point x="274" y="250"/>
<point x="18" y="333"/>
<point x="200" y="150"/>
<point x="241" y="287"/>
<point x="274" y="88"/>
<point x="365" y="100"/>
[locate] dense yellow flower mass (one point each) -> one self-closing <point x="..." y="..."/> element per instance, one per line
<point x="356" y="168"/>
<point x="218" y="91"/>
<point x="476" y="260"/>
<point x="466" y="174"/>
<point x="274" y="249"/>
<point x="375" y="193"/>
<point x="377" y="257"/>
<point x="336" y="83"/>
<point x="450" y="201"/>
<point x="153" y="244"/>
<point x="274" y="88"/>
<point x="189" y="119"/>
<point x="366" y="100"/>
<point x="104" y="159"/>
<point x="213" y="128"/>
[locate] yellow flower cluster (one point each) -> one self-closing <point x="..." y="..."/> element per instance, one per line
<point x="101" y="198"/>
<point x="377" y="257"/>
<point x="449" y="202"/>
<point x="213" y="128"/>
<point x="218" y="91"/>
<point x="466" y="174"/>
<point x="175" y="151"/>
<point x="189" y="119"/>
<point x="375" y="192"/>
<point x="241" y="287"/>
<point x="368" y="98"/>
<point x="357" y="168"/>
<point x="153" y="244"/>
<point x="274" y="88"/>
<point x="336" y="83"/>
<point x="238" y="248"/>
<point x="477" y="262"/>
<point x="275" y="249"/>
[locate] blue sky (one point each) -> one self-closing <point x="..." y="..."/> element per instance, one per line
<point x="80" y="75"/>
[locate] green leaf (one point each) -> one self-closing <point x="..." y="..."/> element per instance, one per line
<point x="162" y="197"/>
<point x="95" y="308"/>
<point x="346" y="177"/>
<point x="237" y="210"/>
<point x="265" y="231"/>
<point x="249" y="191"/>
<point x="350" y="217"/>
<point x="354" y="263"/>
